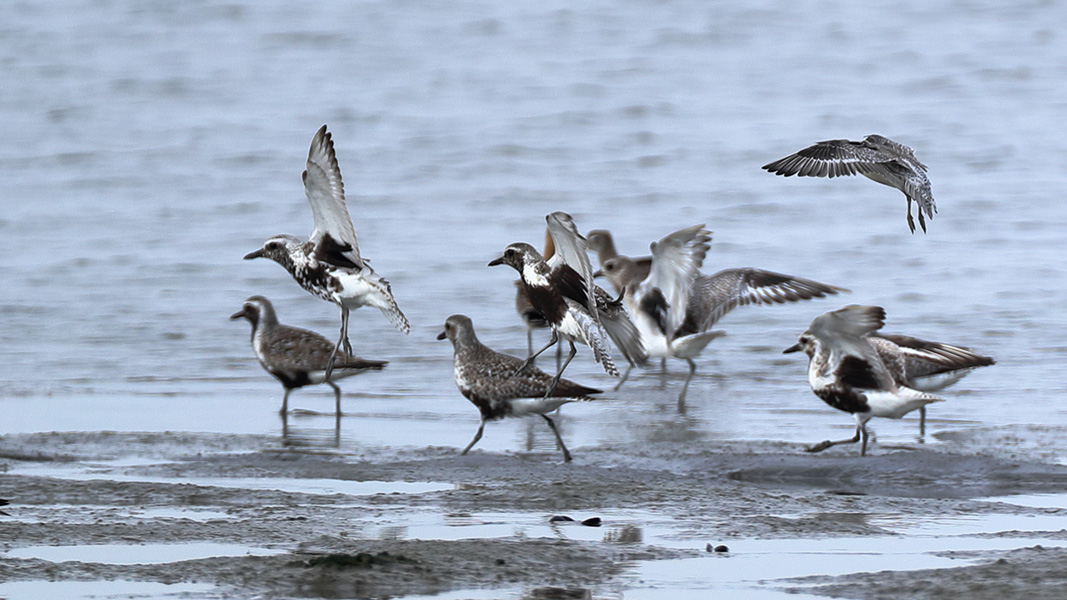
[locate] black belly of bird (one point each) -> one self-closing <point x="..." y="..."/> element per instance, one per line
<point x="548" y="301"/>
<point x="843" y="398"/>
<point x="490" y="410"/>
<point x="319" y="281"/>
<point x="292" y="380"/>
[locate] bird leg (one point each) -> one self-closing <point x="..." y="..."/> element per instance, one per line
<point x="852" y="440"/>
<point x="922" y="423"/>
<point x="922" y="219"/>
<point x="625" y="376"/>
<point x="911" y="221"/>
<point x="529" y="360"/>
<point x="477" y="436"/>
<point x="863" y="449"/>
<point x="336" y="397"/>
<point x="555" y="380"/>
<point x="559" y="440"/>
<point x="685" y="388"/>
<point x="343" y="341"/>
<point x="285" y="402"/>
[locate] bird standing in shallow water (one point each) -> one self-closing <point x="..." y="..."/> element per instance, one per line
<point x="847" y="372"/>
<point x="875" y="157"/>
<point x="489" y="380"/>
<point x="675" y="307"/>
<point x="297" y="357"/>
<point x="562" y="290"/>
<point x="329" y="264"/>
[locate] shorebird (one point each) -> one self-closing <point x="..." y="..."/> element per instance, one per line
<point x="495" y="384"/>
<point x="675" y="307"/>
<point x="601" y="242"/>
<point x="297" y="357"/>
<point x="329" y="264"/>
<point x="925" y="366"/>
<point x="875" y="157"/>
<point x="849" y="374"/>
<point x="562" y="290"/>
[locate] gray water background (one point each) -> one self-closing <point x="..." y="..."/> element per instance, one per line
<point x="145" y="147"/>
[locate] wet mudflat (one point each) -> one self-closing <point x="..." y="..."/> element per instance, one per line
<point x="209" y="515"/>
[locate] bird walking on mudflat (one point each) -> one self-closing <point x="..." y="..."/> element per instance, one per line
<point x="297" y="357"/>
<point x="562" y="290"/>
<point x="876" y="157"/>
<point x="493" y="382"/>
<point x="848" y="373"/>
<point x="329" y="264"/>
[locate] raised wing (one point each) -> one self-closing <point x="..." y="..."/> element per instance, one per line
<point x="334" y="236"/>
<point x="570" y="248"/>
<point x="676" y="262"/>
<point x="833" y="158"/>
<point x="715" y="295"/>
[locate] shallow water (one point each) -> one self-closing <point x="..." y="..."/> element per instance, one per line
<point x="147" y="147"/>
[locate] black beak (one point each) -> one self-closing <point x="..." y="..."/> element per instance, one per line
<point x="441" y="335"/>
<point x="794" y="348"/>
<point x="256" y="254"/>
<point x="598" y="273"/>
<point x="494" y="262"/>
<point x="237" y="315"/>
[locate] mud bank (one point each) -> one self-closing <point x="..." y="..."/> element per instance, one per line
<point x="377" y="523"/>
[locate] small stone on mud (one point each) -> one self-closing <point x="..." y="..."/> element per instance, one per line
<point x="501" y="561"/>
<point x="592" y="522"/>
<point x="560" y="519"/>
<point x="720" y="548"/>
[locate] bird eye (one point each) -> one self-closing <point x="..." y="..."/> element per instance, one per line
<point x="509" y="252"/>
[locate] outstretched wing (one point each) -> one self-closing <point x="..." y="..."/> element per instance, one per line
<point x="833" y="158"/>
<point x="571" y="249"/>
<point x="676" y="262"/>
<point x="715" y="295"/>
<point x="334" y="236"/>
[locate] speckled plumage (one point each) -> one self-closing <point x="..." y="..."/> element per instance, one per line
<point x="493" y="383"/>
<point x="297" y="357"/>
<point x="562" y="291"/>
<point x="876" y="157"/>
<point x="329" y="265"/>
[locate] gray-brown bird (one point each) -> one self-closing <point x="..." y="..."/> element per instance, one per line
<point x="876" y="157"/>
<point x="297" y="357"/>
<point x="492" y="382"/>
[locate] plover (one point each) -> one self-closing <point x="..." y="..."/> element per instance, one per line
<point x="492" y="382"/>
<point x="925" y="366"/>
<point x="297" y="357"/>
<point x="562" y="290"/>
<point x="675" y="307"/>
<point x="329" y="264"/>
<point x="875" y="157"/>
<point x="849" y="374"/>
<point x="601" y="242"/>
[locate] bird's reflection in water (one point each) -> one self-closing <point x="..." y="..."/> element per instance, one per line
<point x="304" y="435"/>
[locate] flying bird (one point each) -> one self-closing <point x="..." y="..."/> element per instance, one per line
<point x="875" y="157"/>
